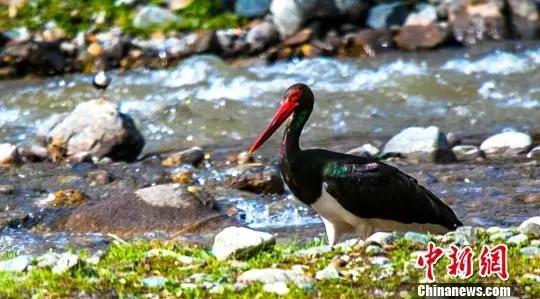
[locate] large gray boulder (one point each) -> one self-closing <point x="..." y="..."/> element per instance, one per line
<point x="422" y="144"/>
<point x="169" y="208"/>
<point x="95" y="128"/>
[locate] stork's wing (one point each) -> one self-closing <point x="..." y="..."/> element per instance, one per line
<point x="378" y="190"/>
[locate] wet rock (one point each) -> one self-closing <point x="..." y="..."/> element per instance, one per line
<point x="194" y="156"/>
<point x="96" y="128"/>
<point x="35" y="153"/>
<point x="415" y="37"/>
<point x="6" y="189"/>
<point x="67" y="198"/>
<point x="424" y="144"/>
<point x="530" y="251"/>
<point x="473" y="21"/>
<point x="251" y="8"/>
<point x="8" y="154"/>
<point x="17" y="264"/>
<point x="519" y="239"/>
<point x="507" y="144"/>
<point x="423" y="15"/>
<point x="534" y="154"/>
<point x="261" y="35"/>
<point x="530" y="227"/>
<point x="367" y="42"/>
<point x="273" y="275"/>
<point x="417" y="238"/>
<point x="382" y="238"/>
<point x="168" y="208"/>
<point x="466" y="152"/>
<point x="65" y="262"/>
<point x="385" y="15"/>
<point x="184" y="176"/>
<point x="240" y="242"/>
<point x="351" y="8"/>
<point x="301" y="37"/>
<point x="279" y="288"/>
<point x="99" y="177"/>
<point x="255" y="178"/>
<point x="112" y="44"/>
<point x="525" y="18"/>
<point x="153" y="16"/>
<point x="52" y="32"/>
<point x="154" y="282"/>
<point x="244" y="158"/>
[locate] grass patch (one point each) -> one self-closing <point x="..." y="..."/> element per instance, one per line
<point x="122" y="268"/>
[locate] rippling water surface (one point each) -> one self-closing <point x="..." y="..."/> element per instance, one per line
<point x="204" y="100"/>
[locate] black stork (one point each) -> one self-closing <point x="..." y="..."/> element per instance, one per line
<point x="352" y="194"/>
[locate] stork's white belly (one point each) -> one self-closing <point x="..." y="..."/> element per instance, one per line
<point x="346" y="222"/>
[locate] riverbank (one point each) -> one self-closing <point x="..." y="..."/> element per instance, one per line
<point x="383" y="266"/>
<point x="56" y="37"/>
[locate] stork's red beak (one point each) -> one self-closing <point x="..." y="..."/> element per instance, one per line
<point x="283" y="112"/>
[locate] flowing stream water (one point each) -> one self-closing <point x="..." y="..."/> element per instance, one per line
<point x="205" y="101"/>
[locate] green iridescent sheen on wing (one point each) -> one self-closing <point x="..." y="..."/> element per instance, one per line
<point x="336" y="170"/>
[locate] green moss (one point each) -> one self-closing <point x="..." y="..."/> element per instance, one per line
<point x="123" y="266"/>
<point x="75" y="16"/>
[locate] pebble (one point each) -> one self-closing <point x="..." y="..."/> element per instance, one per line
<point x="382" y="238"/>
<point x="530" y="251"/>
<point x="17" y="264"/>
<point x="380" y="261"/>
<point x="518" y="239"/>
<point x="65" y="262"/>
<point x="240" y="242"/>
<point x="279" y="288"/>
<point x="194" y="156"/>
<point x="534" y="154"/>
<point x="8" y="154"/>
<point x="374" y="250"/>
<point x="6" y="189"/>
<point x="530" y="227"/>
<point x="330" y="272"/>
<point x="154" y="282"/>
<point x="466" y="152"/>
<point x="417" y="238"/>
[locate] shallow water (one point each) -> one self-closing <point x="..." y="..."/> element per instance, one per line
<point x="203" y="100"/>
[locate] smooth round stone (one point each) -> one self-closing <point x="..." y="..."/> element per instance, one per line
<point x="417" y="238"/>
<point x="506" y="144"/>
<point x="373" y="250"/>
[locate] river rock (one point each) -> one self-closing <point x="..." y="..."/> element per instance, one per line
<point x="112" y="43"/>
<point x="98" y="129"/>
<point x="279" y="288"/>
<point x="169" y="208"/>
<point x="534" y="154"/>
<point x="466" y="152"/>
<point x="465" y="235"/>
<point x="240" y="242"/>
<point x="507" y="144"/>
<point x="261" y="35"/>
<point x="273" y="275"/>
<point x="530" y="227"/>
<point x="255" y="178"/>
<point x="193" y="156"/>
<point x="366" y="150"/>
<point x="386" y="15"/>
<point x="477" y="20"/>
<point x="154" y="282"/>
<point x="417" y="238"/>
<point x="351" y="8"/>
<point x="382" y="238"/>
<point x="423" y="15"/>
<point x="8" y="154"/>
<point x="424" y="144"/>
<point x="17" y="264"/>
<point x="330" y="272"/>
<point x="530" y="251"/>
<point x="153" y="16"/>
<point x="414" y="37"/>
<point x="287" y="16"/>
<point x="518" y="239"/>
<point x="368" y="42"/>
<point x="251" y="8"/>
<point x="525" y="18"/>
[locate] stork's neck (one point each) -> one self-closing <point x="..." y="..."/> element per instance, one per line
<point x="290" y="144"/>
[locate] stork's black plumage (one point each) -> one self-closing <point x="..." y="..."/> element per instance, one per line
<point x="351" y="193"/>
